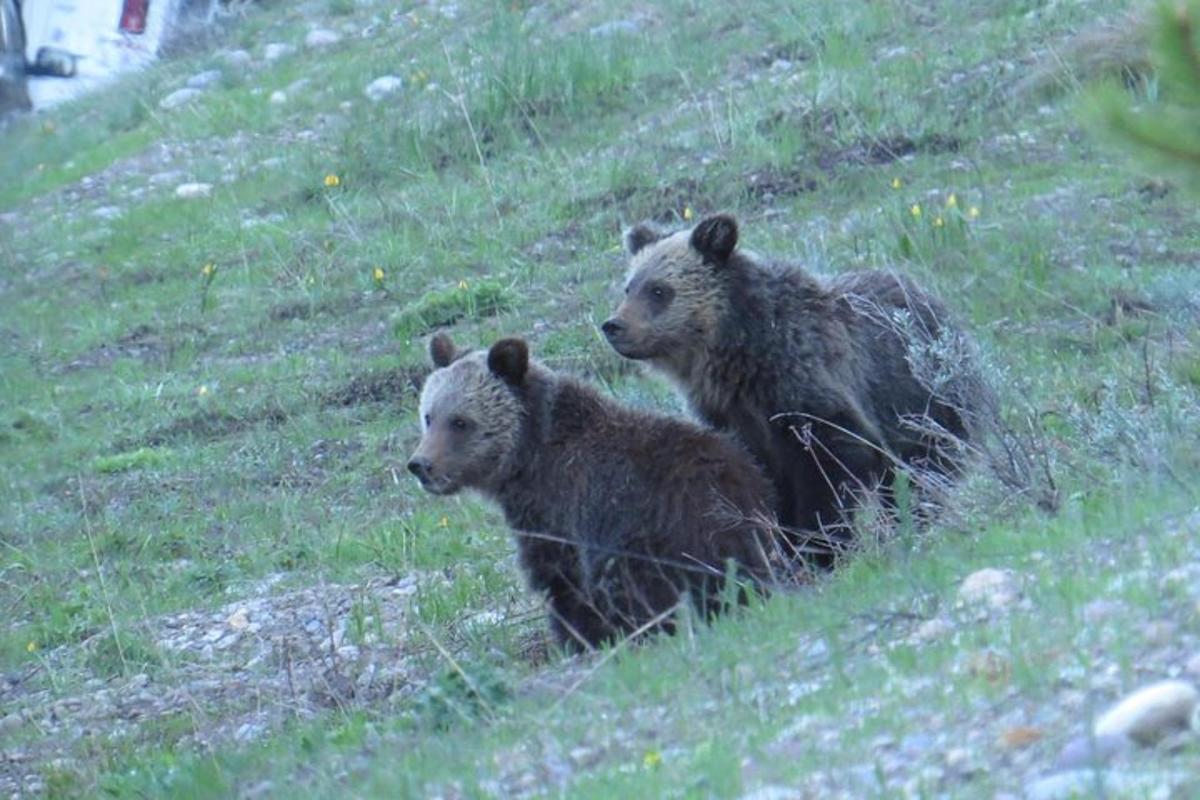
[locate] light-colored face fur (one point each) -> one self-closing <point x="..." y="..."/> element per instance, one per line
<point x="674" y="300"/>
<point x="470" y="422"/>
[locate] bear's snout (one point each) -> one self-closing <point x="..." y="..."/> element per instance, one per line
<point x="612" y="328"/>
<point x="421" y="467"/>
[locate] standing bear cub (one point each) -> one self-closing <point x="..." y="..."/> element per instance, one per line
<point x="829" y="385"/>
<point x="618" y="515"/>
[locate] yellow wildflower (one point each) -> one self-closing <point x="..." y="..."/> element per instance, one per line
<point x="973" y="212"/>
<point x="915" y="210"/>
<point x="952" y="201"/>
<point x="332" y="180"/>
<point x="377" y="274"/>
<point x="687" y="212"/>
<point x="208" y="270"/>
<point x="938" y="222"/>
<point x="462" y="284"/>
<point x="31" y="647"/>
<point x="897" y="183"/>
<point x="202" y="391"/>
<point x="652" y="759"/>
<point x="444" y="522"/>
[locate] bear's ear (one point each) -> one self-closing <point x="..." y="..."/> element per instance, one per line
<point x="442" y="351"/>
<point x="509" y="360"/>
<point x="639" y="236"/>
<point x="715" y="237"/>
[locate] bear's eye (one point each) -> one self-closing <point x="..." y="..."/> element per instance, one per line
<point x="658" y="293"/>
<point x="459" y="424"/>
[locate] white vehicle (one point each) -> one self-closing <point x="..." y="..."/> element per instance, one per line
<point x="85" y="41"/>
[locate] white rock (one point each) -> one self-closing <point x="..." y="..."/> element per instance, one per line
<point x="178" y="98"/>
<point x="203" y="80"/>
<point x="616" y="27"/>
<point x="239" y="620"/>
<point x="321" y="37"/>
<point x="383" y="87"/>
<point x="995" y="588"/>
<point x="237" y="58"/>
<point x="1151" y="712"/>
<point x="107" y="212"/>
<point x="277" y="98"/>
<point x="275" y="51"/>
<point x="193" y="191"/>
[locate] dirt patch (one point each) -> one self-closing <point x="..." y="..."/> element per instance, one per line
<point x="144" y="343"/>
<point x="236" y="673"/>
<point x="209" y="424"/>
<point x="765" y="186"/>
<point x="376" y="386"/>
<point x="886" y="149"/>
<point x="307" y="309"/>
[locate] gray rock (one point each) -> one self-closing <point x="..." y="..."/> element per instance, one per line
<point x="193" y="191"/>
<point x="277" y="98"/>
<point x="204" y="80"/>
<point x="321" y="37"/>
<point x="275" y="51"/>
<point x="1151" y="713"/>
<point x="992" y="588"/>
<point x="10" y="722"/>
<point x="383" y="87"/>
<point x="107" y="212"/>
<point x="616" y="27"/>
<point x="237" y="58"/>
<point x="1092" y="751"/>
<point x="178" y="98"/>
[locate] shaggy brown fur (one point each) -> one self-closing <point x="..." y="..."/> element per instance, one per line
<point x="617" y="513"/>
<point x="823" y="382"/>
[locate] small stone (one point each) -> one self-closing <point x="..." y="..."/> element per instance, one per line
<point x="275" y="51"/>
<point x="10" y="722"/>
<point x="383" y="87"/>
<point x="277" y="98"/>
<point x="1150" y="713"/>
<point x="178" y="98"/>
<point x="994" y="588"/>
<point x="139" y="681"/>
<point x="321" y="37"/>
<point x="1020" y="736"/>
<point x="204" y="80"/>
<point x="615" y="27"/>
<point x="193" y="191"/>
<point x="1159" y="633"/>
<point x="931" y="630"/>
<point x="957" y="758"/>
<point x="239" y="620"/>
<point x="107" y="212"/>
<point x="1090" y="752"/>
<point x="237" y="58"/>
<point x="771" y="792"/>
<point x="1100" y="610"/>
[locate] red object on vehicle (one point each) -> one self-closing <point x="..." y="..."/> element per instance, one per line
<point x="133" y="16"/>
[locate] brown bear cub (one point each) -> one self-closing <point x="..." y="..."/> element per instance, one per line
<point x="829" y="385"/>
<point x="618" y="514"/>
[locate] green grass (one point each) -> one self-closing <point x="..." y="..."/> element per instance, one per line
<point x="172" y="438"/>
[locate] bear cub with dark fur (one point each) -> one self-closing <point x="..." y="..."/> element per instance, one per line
<point x="617" y="513"/>
<point x="817" y="379"/>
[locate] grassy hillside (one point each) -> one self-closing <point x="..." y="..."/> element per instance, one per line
<point x="220" y="581"/>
